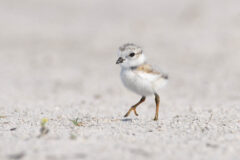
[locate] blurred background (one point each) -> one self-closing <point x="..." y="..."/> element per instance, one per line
<point x="53" y="48"/>
<point x="58" y="57"/>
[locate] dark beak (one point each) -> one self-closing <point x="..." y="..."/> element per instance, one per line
<point x="120" y="60"/>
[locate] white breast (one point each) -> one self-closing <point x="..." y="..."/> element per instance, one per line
<point x="136" y="83"/>
<point x="142" y="83"/>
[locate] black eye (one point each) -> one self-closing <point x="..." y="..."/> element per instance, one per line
<point x="132" y="54"/>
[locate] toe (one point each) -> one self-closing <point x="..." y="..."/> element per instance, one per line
<point x="126" y="115"/>
<point x="135" y="112"/>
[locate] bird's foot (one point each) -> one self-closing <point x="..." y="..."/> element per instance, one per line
<point x="135" y="112"/>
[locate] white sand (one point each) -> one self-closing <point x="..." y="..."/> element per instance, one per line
<point x="57" y="61"/>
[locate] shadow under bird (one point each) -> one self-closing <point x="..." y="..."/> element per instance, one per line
<point x="139" y="76"/>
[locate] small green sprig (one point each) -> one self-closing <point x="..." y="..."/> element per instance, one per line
<point x="76" y="122"/>
<point x="43" y="130"/>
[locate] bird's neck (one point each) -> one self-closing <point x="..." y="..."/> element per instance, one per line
<point x="135" y="67"/>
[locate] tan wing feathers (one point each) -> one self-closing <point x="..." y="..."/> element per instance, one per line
<point x="147" y="68"/>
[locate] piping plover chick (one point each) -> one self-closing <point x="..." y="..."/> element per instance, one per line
<point x="139" y="76"/>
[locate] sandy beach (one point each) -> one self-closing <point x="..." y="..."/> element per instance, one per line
<point x="57" y="61"/>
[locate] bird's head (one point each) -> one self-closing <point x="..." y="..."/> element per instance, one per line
<point x="130" y="55"/>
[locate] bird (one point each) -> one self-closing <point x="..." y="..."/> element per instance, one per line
<point x="139" y="76"/>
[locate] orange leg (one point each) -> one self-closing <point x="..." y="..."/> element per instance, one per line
<point x="133" y="108"/>
<point x="157" y="100"/>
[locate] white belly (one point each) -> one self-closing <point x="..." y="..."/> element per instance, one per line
<point x="137" y="84"/>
